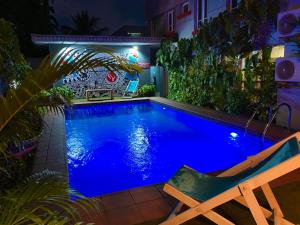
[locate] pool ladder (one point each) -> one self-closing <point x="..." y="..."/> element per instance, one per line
<point x="249" y="121"/>
<point x="271" y="119"/>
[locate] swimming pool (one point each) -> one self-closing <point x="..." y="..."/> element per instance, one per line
<point x="118" y="146"/>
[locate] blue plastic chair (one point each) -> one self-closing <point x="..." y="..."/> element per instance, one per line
<point x="202" y="193"/>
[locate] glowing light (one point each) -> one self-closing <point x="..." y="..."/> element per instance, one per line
<point x="135" y="47"/>
<point x="234" y="140"/>
<point x="277" y="52"/>
<point x="234" y="135"/>
<point x="164" y="108"/>
<point x="134" y="52"/>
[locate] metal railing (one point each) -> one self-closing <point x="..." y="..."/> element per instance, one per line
<point x="271" y="118"/>
<point x="249" y="122"/>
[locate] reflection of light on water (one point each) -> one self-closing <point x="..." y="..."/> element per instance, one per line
<point x="138" y="151"/>
<point x="234" y="139"/>
<point x="139" y="142"/>
<point x="75" y="148"/>
<point x="78" y="155"/>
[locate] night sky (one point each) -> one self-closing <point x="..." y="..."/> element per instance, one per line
<point x="113" y="13"/>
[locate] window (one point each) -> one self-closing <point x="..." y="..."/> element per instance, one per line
<point x="171" y="22"/>
<point x="202" y="11"/>
<point x="185" y="8"/>
<point x="277" y="52"/>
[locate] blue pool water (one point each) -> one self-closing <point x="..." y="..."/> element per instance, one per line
<point x="114" y="147"/>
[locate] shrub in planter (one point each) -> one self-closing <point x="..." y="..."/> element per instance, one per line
<point x="66" y="92"/>
<point x="147" y="90"/>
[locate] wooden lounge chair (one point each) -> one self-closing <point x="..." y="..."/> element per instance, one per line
<point x="131" y="89"/>
<point x="202" y="193"/>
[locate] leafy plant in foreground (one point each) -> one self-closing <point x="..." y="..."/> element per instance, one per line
<point x="43" y="198"/>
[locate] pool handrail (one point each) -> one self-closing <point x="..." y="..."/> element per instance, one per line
<point x="271" y="119"/>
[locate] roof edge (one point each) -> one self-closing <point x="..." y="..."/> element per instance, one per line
<point x="94" y="40"/>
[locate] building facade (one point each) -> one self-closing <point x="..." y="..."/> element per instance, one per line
<point x="169" y="17"/>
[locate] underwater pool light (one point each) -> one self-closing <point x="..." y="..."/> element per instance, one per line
<point x="234" y="135"/>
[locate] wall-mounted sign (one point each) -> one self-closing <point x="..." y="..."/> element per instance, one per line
<point x="101" y="78"/>
<point x="111" y="77"/>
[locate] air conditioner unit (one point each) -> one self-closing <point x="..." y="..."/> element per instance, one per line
<point x="287" y="23"/>
<point x="287" y="70"/>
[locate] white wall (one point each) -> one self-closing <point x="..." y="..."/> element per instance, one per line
<point x="185" y="26"/>
<point x="290" y="95"/>
<point x="157" y="11"/>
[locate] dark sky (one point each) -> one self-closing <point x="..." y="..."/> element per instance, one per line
<point x="113" y="13"/>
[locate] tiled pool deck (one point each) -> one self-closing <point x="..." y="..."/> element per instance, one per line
<point x="141" y="204"/>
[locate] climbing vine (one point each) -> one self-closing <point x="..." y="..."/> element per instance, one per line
<point x="227" y="65"/>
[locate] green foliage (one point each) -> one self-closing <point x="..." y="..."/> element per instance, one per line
<point x="43" y="198"/>
<point x="237" y="101"/>
<point x="260" y="84"/>
<point x="30" y="17"/>
<point x="147" y="90"/>
<point x="242" y="30"/>
<point x="50" y="70"/>
<point x="64" y="91"/>
<point x="200" y="75"/>
<point x="13" y="66"/>
<point x="16" y="169"/>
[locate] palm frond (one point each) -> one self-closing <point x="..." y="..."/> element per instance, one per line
<point x="43" y="198"/>
<point x="49" y="104"/>
<point x="52" y="68"/>
<point x="24" y="126"/>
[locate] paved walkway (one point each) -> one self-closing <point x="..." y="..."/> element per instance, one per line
<point x="51" y="153"/>
<point x="123" y="208"/>
<point x="136" y="205"/>
<point x="132" y="207"/>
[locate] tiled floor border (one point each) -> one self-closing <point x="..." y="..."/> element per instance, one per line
<point x="275" y="133"/>
<point x="51" y="152"/>
<point x="145" y="203"/>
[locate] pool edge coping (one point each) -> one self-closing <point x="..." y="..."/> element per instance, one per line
<point x="255" y="128"/>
